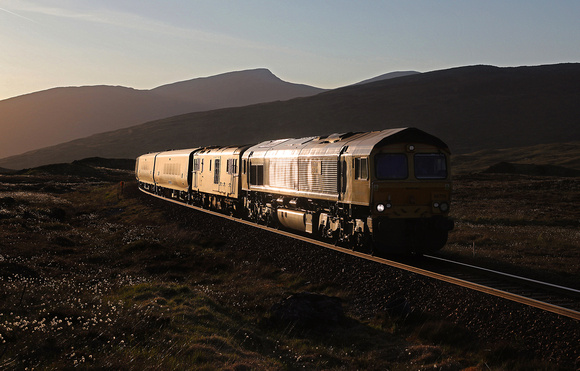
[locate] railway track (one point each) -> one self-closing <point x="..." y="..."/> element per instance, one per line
<point x="545" y="296"/>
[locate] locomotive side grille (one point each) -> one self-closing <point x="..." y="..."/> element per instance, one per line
<point x="329" y="176"/>
<point x="318" y="180"/>
<point x="284" y="173"/>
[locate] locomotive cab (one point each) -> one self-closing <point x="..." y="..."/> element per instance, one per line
<point x="410" y="196"/>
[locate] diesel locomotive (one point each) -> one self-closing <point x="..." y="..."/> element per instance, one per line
<point x="379" y="192"/>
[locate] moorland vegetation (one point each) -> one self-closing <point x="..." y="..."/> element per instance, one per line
<point x="95" y="274"/>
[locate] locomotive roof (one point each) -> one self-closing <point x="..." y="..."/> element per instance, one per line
<point x="230" y="150"/>
<point x="176" y="152"/>
<point x="366" y="143"/>
<point x="332" y="145"/>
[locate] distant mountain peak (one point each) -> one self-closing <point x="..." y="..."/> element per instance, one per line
<point x="257" y="74"/>
<point x="263" y="73"/>
<point x="235" y="89"/>
<point x="62" y="114"/>
<point x="387" y="76"/>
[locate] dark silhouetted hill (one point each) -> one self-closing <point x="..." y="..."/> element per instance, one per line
<point x="6" y="171"/>
<point x="559" y="154"/>
<point x="386" y="76"/>
<point x="470" y="108"/>
<point x="107" y="163"/>
<point x="59" y="115"/>
<point x="94" y="167"/>
<point x="63" y="169"/>
<point x="532" y="169"/>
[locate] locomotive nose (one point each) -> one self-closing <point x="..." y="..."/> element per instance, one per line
<point x="410" y="201"/>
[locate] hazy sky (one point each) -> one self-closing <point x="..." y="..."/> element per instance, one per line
<point x="147" y="43"/>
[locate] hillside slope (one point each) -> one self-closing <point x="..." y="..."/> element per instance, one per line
<point x="470" y="108"/>
<point x="59" y="115"/>
<point x="556" y="154"/>
<point x="236" y="89"/>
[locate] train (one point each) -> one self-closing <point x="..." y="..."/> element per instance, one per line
<point x="380" y="192"/>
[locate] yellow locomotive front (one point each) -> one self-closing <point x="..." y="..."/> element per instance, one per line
<point x="410" y="195"/>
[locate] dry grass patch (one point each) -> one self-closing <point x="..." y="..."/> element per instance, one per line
<point x="113" y="282"/>
<point x="520" y="224"/>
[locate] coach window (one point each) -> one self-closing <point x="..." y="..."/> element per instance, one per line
<point x="391" y="166"/>
<point x="216" y="174"/>
<point x="361" y="168"/>
<point x="232" y="166"/>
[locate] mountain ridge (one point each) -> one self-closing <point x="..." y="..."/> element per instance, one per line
<point x="390" y="75"/>
<point x="470" y="108"/>
<point x="58" y="115"/>
<point x="253" y="86"/>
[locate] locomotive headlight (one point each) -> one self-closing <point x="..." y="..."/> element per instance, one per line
<point x="380" y="208"/>
<point x="443" y="206"/>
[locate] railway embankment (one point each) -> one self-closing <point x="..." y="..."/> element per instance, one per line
<point x="98" y="274"/>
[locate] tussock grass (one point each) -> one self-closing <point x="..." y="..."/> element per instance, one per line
<point x="519" y="224"/>
<point x="116" y="284"/>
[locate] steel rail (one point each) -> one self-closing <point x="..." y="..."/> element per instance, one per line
<point x="452" y="280"/>
<point x="508" y="275"/>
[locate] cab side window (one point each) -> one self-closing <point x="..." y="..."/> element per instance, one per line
<point x="361" y="168"/>
<point x="256" y="174"/>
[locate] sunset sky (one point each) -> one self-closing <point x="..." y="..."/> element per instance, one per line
<point x="145" y="43"/>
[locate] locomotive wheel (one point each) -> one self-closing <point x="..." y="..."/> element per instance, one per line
<point x="270" y="221"/>
<point x="360" y="242"/>
<point x="363" y="244"/>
